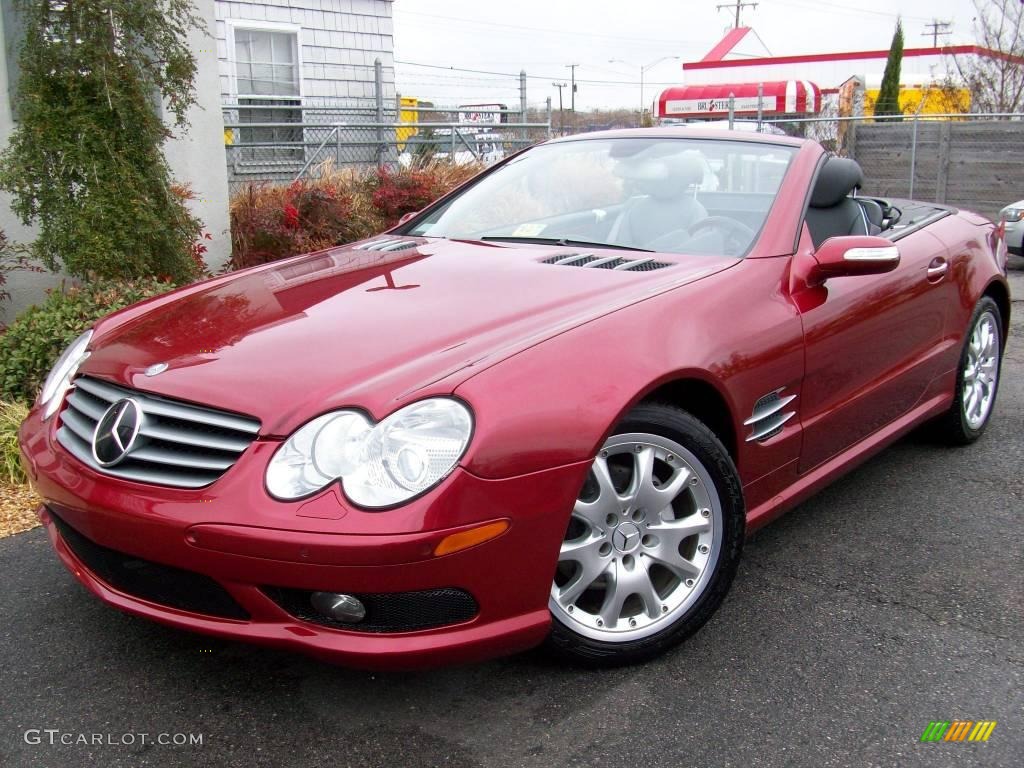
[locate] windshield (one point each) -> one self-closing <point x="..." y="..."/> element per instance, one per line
<point x="672" y="195"/>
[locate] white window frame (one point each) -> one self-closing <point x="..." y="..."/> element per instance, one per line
<point x="262" y="26"/>
<point x="259" y="25"/>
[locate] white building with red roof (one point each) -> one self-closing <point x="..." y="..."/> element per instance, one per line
<point x="792" y="85"/>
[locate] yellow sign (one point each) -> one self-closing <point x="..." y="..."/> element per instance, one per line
<point x="938" y="100"/>
<point x="408" y="113"/>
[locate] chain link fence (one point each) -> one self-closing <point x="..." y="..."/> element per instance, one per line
<point x="966" y="161"/>
<point x="281" y="140"/>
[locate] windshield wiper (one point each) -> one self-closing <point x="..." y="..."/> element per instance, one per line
<point x="560" y="241"/>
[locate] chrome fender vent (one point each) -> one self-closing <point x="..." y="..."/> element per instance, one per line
<point x="769" y="416"/>
<point x="387" y="245"/>
<point x="616" y="263"/>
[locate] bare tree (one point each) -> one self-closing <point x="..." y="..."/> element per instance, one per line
<point x="996" y="80"/>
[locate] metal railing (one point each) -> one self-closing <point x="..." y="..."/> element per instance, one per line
<point x="368" y="144"/>
<point x="281" y="139"/>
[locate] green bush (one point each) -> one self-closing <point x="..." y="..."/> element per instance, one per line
<point x="85" y="162"/>
<point x="11" y="416"/>
<point x="33" y="342"/>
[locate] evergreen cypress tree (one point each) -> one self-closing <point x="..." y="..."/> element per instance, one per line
<point x="889" y="95"/>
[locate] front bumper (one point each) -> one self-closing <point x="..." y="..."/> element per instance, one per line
<point x="253" y="546"/>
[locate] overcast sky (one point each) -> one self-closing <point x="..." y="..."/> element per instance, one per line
<point x="542" y="36"/>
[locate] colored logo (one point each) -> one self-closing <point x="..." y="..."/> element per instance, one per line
<point x="958" y="730"/>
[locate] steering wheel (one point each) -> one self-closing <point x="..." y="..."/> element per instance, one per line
<point x="737" y="233"/>
<point x="735" y="240"/>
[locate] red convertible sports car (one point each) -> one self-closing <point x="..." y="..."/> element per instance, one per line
<point x="549" y="407"/>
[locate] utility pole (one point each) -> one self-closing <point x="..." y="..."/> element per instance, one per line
<point x="572" y="95"/>
<point x="937" y="28"/>
<point x="561" y="114"/>
<point x="739" y="6"/>
<point x="522" y="106"/>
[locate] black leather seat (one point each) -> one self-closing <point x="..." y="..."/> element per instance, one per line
<point x="874" y="212"/>
<point x="832" y="213"/>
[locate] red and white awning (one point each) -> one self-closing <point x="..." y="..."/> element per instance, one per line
<point x="780" y="97"/>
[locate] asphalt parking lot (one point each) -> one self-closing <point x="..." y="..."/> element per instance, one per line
<point x="894" y="598"/>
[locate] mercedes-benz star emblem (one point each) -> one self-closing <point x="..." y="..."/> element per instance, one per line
<point x="626" y="537"/>
<point x="116" y="432"/>
<point x="156" y="369"/>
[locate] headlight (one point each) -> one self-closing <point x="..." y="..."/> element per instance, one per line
<point x="59" y="379"/>
<point x="379" y="465"/>
<point x="1012" y="214"/>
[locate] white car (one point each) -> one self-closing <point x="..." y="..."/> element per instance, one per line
<point x="1013" y="215"/>
<point x="483" y="148"/>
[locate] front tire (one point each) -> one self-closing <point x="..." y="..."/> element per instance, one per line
<point x="977" y="379"/>
<point x="653" y="542"/>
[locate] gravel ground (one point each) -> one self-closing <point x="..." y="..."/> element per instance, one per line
<point x="891" y="599"/>
<point x="18" y="504"/>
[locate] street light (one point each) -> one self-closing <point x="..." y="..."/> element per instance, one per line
<point x="643" y="70"/>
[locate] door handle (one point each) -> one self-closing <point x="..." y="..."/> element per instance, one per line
<point x="937" y="269"/>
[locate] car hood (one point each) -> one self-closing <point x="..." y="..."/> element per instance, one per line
<point x="364" y="328"/>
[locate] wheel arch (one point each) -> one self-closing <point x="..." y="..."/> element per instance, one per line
<point x="703" y="400"/>
<point x="998" y="292"/>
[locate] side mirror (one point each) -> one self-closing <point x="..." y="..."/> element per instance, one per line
<point x="408" y="217"/>
<point x="853" y="255"/>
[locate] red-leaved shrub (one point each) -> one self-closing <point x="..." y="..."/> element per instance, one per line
<point x="270" y="222"/>
<point x="396" y="194"/>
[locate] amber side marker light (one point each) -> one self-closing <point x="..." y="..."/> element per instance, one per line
<point x="456" y="542"/>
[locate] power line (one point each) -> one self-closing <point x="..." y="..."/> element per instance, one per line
<point x="565" y="32"/>
<point x="531" y="77"/>
<point x="805" y="5"/>
<point x="491" y="80"/>
<point x="817" y="5"/>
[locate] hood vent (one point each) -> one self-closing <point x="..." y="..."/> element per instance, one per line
<point x="616" y="263"/>
<point x="387" y="245"/>
<point x="769" y="416"/>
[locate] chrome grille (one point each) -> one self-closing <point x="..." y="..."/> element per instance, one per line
<point x="179" y="444"/>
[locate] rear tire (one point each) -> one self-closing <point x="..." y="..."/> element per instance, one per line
<point x="653" y="542"/>
<point x="977" y="378"/>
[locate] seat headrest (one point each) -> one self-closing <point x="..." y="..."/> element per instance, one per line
<point x="681" y="172"/>
<point x="836" y="180"/>
<point x="666" y="177"/>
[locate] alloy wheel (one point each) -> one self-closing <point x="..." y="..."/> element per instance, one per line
<point x="981" y="370"/>
<point x="642" y="543"/>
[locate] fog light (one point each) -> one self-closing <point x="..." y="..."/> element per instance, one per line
<point x="338" y="606"/>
